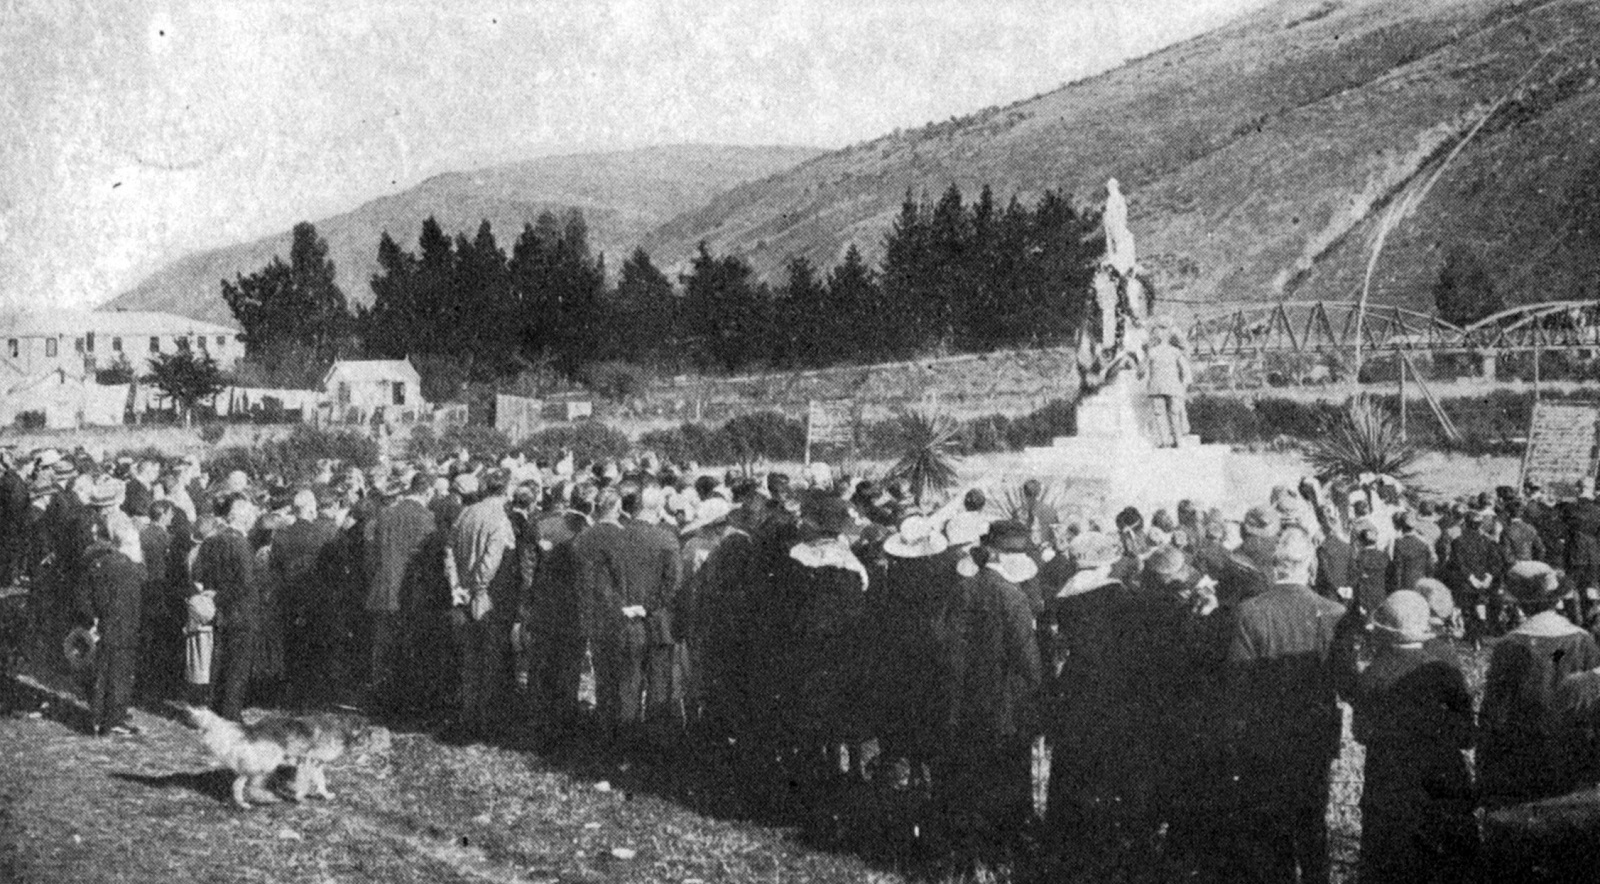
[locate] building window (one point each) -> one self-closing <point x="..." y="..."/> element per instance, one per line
<point x="49" y="348"/>
<point x="201" y="340"/>
<point x="155" y="344"/>
<point x="116" y="345"/>
<point x="399" y="393"/>
<point x="88" y="342"/>
<point x="183" y="344"/>
<point x="14" y="347"/>
<point x="222" y="341"/>
<point x="344" y="393"/>
<point x="77" y="344"/>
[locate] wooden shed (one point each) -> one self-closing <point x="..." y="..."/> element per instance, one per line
<point x="361" y="390"/>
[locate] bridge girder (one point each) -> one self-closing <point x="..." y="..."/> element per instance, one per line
<point x="1328" y="328"/>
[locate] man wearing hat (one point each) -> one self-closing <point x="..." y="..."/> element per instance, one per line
<point x="67" y="527"/>
<point x="14" y="504"/>
<point x="1260" y="537"/>
<point x="399" y="533"/>
<point x="1292" y="655"/>
<point x="1413" y="713"/>
<point x="1411" y="558"/>
<point x="985" y="788"/>
<point x="110" y="597"/>
<point x="1473" y="575"/>
<point x="225" y="565"/>
<point x="1519" y="755"/>
<point x="1176" y="639"/>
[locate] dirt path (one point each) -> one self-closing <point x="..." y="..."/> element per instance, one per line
<point x="153" y="808"/>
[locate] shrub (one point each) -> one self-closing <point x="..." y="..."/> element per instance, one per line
<point x="1058" y="417"/>
<point x="765" y="434"/>
<point x="423" y="444"/>
<point x="1224" y="420"/>
<point x="481" y="441"/>
<point x="30" y="420"/>
<point x="615" y="380"/>
<point x="212" y="432"/>
<point x="589" y="441"/>
<point x="296" y="457"/>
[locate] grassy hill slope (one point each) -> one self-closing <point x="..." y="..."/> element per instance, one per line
<point x="623" y="195"/>
<point x="1255" y="156"/>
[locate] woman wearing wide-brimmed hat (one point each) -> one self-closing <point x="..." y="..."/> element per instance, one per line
<point x="1413" y="713"/>
<point x="910" y="640"/>
<point x="1519" y="755"/>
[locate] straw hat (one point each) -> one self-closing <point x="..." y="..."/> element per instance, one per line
<point x="916" y="538"/>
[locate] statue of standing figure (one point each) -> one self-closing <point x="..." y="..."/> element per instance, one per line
<point x="1120" y="298"/>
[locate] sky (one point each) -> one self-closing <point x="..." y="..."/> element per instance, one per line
<point x="136" y="132"/>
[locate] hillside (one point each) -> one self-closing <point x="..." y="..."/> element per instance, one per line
<point x="623" y="195"/>
<point x="1256" y="156"/>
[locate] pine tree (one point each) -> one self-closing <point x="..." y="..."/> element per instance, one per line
<point x="643" y="318"/>
<point x="727" y="323"/>
<point x="949" y="254"/>
<point x="906" y="326"/>
<point x="433" y="290"/>
<point x="853" y="304"/>
<point x="387" y="327"/>
<point x="483" y="306"/>
<point x="292" y="313"/>
<point x="801" y="323"/>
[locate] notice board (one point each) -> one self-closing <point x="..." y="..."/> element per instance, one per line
<point x="1561" y="445"/>
<point x="829" y="423"/>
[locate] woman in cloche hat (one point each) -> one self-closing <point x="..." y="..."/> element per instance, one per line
<point x="1518" y="755"/>
<point x="1413" y="712"/>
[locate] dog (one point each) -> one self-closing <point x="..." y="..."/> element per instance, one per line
<point x="254" y="752"/>
<point x="331" y="737"/>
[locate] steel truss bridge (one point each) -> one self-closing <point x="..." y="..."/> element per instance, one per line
<point x="1324" y="329"/>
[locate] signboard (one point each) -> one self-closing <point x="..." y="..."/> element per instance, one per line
<point x="1561" y="444"/>
<point x="829" y="423"/>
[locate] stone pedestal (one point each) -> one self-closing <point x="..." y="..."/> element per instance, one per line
<point x="1111" y="463"/>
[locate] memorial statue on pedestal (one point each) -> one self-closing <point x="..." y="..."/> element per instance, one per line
<point x="1121" y="298"/>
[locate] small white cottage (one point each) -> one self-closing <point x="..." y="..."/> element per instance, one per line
<point x="361" y="390"/>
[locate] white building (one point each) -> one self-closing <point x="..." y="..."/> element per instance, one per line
<point x="359" y="389"/>
<point x="43" y="340"/>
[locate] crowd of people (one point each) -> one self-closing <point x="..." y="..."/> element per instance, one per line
<point x="815" y="634"/>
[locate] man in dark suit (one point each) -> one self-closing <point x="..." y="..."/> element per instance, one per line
<point x="1411" y="559"/>
<point x="14" y="502"/>
<point x="1292" y="656"/>
<point x="1474" y="577"/>
<point x="225" y="564"/>
<point x="627" y="574"/>
<point x="399" y="532"/>
<point x="292" y="565"/>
